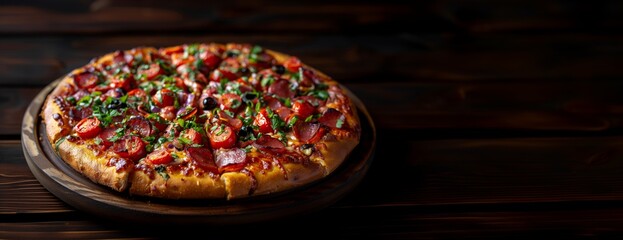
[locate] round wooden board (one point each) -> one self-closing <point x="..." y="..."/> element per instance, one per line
<point x="78" y="191"/>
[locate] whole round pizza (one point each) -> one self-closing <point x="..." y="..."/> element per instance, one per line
<point x="200" y="121"/>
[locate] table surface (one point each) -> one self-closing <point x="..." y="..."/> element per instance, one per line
<point x="495" y="119"/>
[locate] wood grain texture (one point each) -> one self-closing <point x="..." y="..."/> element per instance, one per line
<point x="395" y="57"/>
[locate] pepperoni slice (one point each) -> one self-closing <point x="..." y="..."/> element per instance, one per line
<point x="308" y="132"/>
<point x="86" y="80"/>
<point x="272" y="103"/>
<point x="263" y="122"/>
<point x="88" y="128"/>
<point x="267" y="142"/>
<point x="203" y="158"/>
<point x="106" y="134"/>
<point x="229" y="160"/>
<point x="160" y="156"/>
<point x="233" y="122"/>
<point x="131" y="147"/>
<point x="140" y="126"/>
<point x="223" y="137"/>
<point x="152" y="72"/>
<point x="281" y="88"/>
<point x="332" y="118"/>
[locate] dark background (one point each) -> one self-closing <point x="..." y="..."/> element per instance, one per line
<point x="498" y="119"/>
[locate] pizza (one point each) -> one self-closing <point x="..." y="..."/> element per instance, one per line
<point x="200" y="121"/>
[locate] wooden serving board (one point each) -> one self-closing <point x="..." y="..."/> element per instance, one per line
<point x="80" y="192"/>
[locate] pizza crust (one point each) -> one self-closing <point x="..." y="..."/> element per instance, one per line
<point x="178" y="186"/>
<point x="83" y="160"/>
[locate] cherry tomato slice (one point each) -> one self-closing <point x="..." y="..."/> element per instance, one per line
<point x="88" y="128"/>
<point x="292" y="64"/>
<point x="131" y="147"/>
<point x="86" y="80"/>
<point x="230" y="101"/>
<point x="160" y="156"/>
<point x="125" y="83"/>
<point x="192" y="135"/>
<point x="223" y="137"/>
<point x="303" y="109"/>
<point x="152" y="72"/>
<point x="263" y="122"/>
<point x="163" y="98"/>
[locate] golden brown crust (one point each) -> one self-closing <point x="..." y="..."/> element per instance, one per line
<point x="94" y="167"/>
<point x="177" y="186"/>
<point x="56" y="123"/>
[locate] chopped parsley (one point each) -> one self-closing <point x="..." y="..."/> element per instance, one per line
<point x="162" y="171"/>
<point x="339" y="123"/>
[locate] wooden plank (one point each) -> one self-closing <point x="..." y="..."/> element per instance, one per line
<point x="28" y="61"/>
<point x="20" y="192"/>
<point x="492" y="171"/>
<point x="117" y="16"/>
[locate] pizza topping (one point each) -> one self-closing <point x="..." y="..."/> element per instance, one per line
<point x="307" y="149"/>
<point x="140" y="126"/>
<point x="150" y="71"/>
<point x="190" y="137"/>
<point x="281" y="88"/>
<point x="131" y="147"/>
<point x="263" y="122"/>
<point x="222" y="136"/>
<point x="308" y="132"/>
<point x="292" y="64"/>
<point x="203" y="158"/>
<point x="88" y="128"/>
<point x="160" y="156"/>
<point x="279" y="69"/>
<point x="229" y="160"/>
<point x="86" y="80"/>
<point x="209" y="103"/>
<point x="303" y="109"/>
<point x="268" y="143"/>
<point x="332" y="118"/>
<point x="164" y="98"/>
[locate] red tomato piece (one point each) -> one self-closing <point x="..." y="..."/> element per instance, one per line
<point x="263" y="122"/>
<point x="223" y="137"/>
<point x="292" y="64"/>
<point x="192" y="135"/>
<point x="210" y="60"/>
<point x="219" y="74"/>
<point x="131" y="147"/>
<point x="152" y="72"/>
<point x="86" y="80"/>
<point x="168" y="113"/>
<point x="230" y="101"/>
<point x="88" y="128"/>
<point x="303" y="109"/>
<point x="160" y="156"/>
<point x="125" y="83"/>
<point x="163" y="98"/>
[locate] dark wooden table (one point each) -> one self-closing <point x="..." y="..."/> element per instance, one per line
<point x="496" y="119"/>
